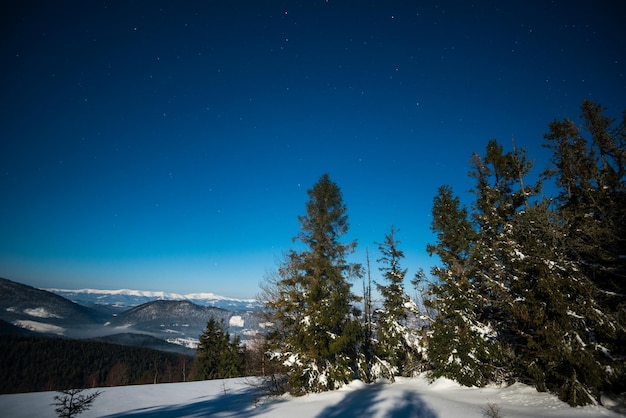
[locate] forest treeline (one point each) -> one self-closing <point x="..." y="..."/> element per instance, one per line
<point x="35" y="363"/>
<point x="529" y="286"/>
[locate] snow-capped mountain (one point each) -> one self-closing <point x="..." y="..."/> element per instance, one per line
<point x="128" y="317"/>
<point x="126" y="298"/>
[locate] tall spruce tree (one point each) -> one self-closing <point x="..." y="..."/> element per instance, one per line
<point x="526" y="286"/>
<point x="554" y="317"/>
<point x="218" y="357"/>
<point x="397" y="342"/>
<point x="460" y="346"/>
<point x="501" y="194"/>
<point x="317" y="334"/>
<point x="591" y="177"/>
<point x="538" y="302"/>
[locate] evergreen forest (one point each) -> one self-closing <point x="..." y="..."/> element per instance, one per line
<point x="529" y="285"/>
<point x="34" y="363"/>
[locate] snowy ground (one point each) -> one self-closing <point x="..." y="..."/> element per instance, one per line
<point x="238" y="398"/>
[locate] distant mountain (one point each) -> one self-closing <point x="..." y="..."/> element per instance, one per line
<point x="44" y="312"/>
<point x="126" y="298"/>
<point x="107" y="314"/>
<point x="182" y="322"/>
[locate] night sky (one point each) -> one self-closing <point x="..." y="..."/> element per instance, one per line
<point x="169" y="145"/>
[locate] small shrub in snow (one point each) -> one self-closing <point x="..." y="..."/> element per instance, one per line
<point x="492" y="410"/>
<point x="71" y="402"/>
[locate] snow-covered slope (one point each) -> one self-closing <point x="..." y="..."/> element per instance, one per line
<point x="238" y="398"/>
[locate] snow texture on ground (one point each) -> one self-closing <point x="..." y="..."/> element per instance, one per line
<point x="416" y="398"/>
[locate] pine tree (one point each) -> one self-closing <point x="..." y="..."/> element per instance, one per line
<point x="317" y="333"/>
<point x="397" y="342"/>
<point x="218" y="357"/>
<point x="501" y="194"/>
<point x="554" y="316"/>
<point x="592" y="181"/>
<point x="537" y="297"/>
<point x="459" y="346"/>
<point x="532" y="288"/>
<point x="591" y="216"/>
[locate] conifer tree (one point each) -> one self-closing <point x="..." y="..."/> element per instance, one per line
<point x="591" y="216"/>
<point x="534" y="291"/>
<point x="541" y="279"/>
<point x="501" y="195"/>
<point x="218" y="357"/>
<point x="367" y="349"/>
<point x="459" y="346"/>
<point x="592" y="197"/>
<point x="317" y="333"/>
<point x="397" y="342"/>
<point x="554" y="317"/>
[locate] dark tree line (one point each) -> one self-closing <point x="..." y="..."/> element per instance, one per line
<point x="32" y="364"/>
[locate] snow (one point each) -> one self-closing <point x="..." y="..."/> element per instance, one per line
<point x="185" y="342"/>
<point x="40" y="313"/>
<point x="39" y="327"/>
<point x="293" y="359"/>
<point x="236" y="321"/>
<point x="414" y="397"/>
<point x="520" y="255"/>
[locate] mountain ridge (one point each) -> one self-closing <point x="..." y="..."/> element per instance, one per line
<point x="121" y="299"/>
<point x="150" y="294"/>
<point x="97" y="315"/>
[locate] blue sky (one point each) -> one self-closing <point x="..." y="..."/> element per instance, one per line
<point x="169" y="146"/>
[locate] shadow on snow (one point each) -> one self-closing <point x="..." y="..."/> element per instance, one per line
<point x="364" y="402"/>
<point x="246" y="403"/>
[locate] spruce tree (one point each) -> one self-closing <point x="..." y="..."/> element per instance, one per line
<point x="459" y="346"/>
<point x="553" y="316"/>
<point x="397" y="342"/>
<point x="501" y="194"/>
<point x="218" y="357"/>
<point x="317" y="334"/>
<point x="590" y="175"/>
<point x="71" y="402"/>
<point x="537" y="297"/>
<point x="531" y="288"/>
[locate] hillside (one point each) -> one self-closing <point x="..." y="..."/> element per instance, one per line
<point x="45" y="312"/>
<point x="182" y="322"/>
